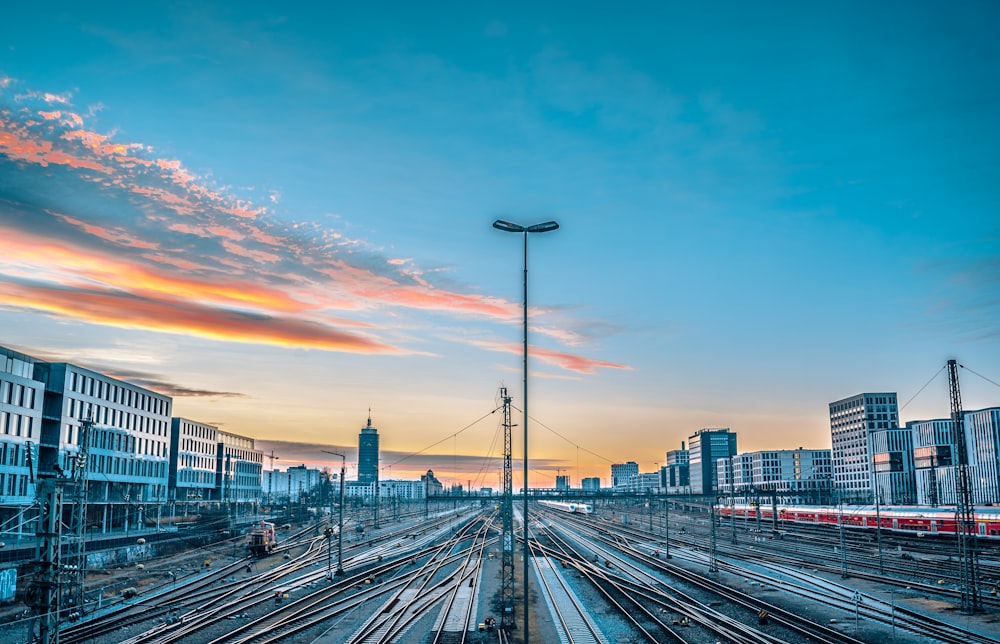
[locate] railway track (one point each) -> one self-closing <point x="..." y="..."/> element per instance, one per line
<point x="791" y="579"/>
<point x="191" y="611"/>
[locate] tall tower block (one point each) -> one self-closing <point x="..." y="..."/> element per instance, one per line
<point x="368" y="453"/>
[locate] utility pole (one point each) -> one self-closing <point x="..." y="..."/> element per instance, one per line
<point x="666" y="536"/>
<point x="376" y="526"/>
<point x="713" y="563"/>
<point x="732" y="497"/>
<point x="843" y="538"/>
<point x="507" y="520"/>
<point x="649" y="507"/>
<point x="968" y="555"/>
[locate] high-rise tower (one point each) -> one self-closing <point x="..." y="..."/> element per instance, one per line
<point x="368" y="453"/>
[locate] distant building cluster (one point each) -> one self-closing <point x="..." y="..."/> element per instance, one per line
<point x="140" y="457"/>
<point x="872" y="459"/>
<point x="143" y="463"/>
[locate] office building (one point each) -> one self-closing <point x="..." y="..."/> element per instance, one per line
<point x="853" y="421"/>
<point x="129" y="444"/>
<point x="705" y="448"/>
<point x="195" y="449"/>
<point x="644" y="483"/>
<point x="677" y="477"/>
<point x="935" y="452"/>
<point x="790" y="475"/>
<point x="622" y="472"/>
<point x="21" y="400"/>
<point x="983" y="440"/>
<point x="239" y="472"/>
<point x="591" y="483"/>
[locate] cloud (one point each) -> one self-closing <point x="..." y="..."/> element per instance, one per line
<point x="103" y="306"/>
<point x="109" y="232"/>
<point x="153" y="381"/>
<point x="568" y="361"/>
<point x="448" y="467"/>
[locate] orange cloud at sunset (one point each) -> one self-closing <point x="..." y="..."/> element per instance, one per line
<point x="179" y="316"/>
<point x="568" y="361"/>
<point x="83" y="266"/>
<point x="132" y="239"/>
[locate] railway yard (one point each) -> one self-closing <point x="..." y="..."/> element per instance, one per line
<point x="624" y="572"/>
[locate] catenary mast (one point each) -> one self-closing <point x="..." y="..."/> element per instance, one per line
<point x="507" y="517"/>
<point x="968" y="557"/>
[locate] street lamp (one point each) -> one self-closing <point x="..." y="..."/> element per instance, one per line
<point x="511" y="227"/>
<point x="340" y="518"/>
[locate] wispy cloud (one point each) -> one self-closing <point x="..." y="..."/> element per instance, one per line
<point x="109" y="232"/>
<point x="455" y="468"/>
<point x="568" y="361"/>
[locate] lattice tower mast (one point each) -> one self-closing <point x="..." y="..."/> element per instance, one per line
<point x="75" y="570"/>
<point x="507" y="517"/>
<point x="968" y="555"/>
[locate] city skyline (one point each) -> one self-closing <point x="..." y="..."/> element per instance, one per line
<point x="281" y="218"/>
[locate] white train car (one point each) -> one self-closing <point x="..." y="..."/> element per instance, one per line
<point x="572" y="507"/>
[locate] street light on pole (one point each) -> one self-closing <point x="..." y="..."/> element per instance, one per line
<point x="511" y="227"/>
<point x="340" y="517"/>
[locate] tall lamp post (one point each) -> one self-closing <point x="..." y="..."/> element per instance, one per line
<point x="511" y="227"/>
<point x="340" y="518"/>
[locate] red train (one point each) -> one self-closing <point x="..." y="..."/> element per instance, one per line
<point x="902" y="518"/>
<point x="261" y="539"/>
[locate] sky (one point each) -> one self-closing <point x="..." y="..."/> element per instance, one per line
<point x="280" y="215"/>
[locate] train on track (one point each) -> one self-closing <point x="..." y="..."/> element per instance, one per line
<point x="261" y="539"/>
<point x="575" y="508"/>
<point x="910" y="519"/>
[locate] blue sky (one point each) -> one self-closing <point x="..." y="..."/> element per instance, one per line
<point x="282" y="214"/>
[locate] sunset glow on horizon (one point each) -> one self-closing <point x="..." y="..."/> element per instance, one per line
<point x="281" y="218"/>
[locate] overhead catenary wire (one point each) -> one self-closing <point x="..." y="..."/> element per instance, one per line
<point x="936" y="373"/>
<point x="453" y="435"/>
<point x="992" y="382"/>
<point x="568" y="440"/>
